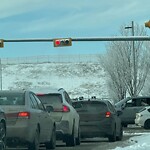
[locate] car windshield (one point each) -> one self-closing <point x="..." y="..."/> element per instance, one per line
<point x="53" y="99"/>
<point x="92" y="107"/>
<point x="12" y="99"/>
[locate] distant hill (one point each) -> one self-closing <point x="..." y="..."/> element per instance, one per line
<point x="79" y="79"/>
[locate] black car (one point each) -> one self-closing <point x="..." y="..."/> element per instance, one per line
<point x="2" y="130"/>
<point x="98" y="118"/>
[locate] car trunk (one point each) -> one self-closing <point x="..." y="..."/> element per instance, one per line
<point x="92" y="111"/>
<point x="12" y="113"/>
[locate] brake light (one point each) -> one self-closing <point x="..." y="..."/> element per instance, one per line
<point x="65" y="108"/>
<point x="108" y="114"/>
<point x="40" y="94"/>
<point x="24" y="114"/>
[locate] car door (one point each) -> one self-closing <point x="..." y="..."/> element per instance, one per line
<point x="130" y="110"/>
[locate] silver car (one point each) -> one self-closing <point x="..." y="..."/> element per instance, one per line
<point x="66" y="117"/>
<point x="28" y="122"/>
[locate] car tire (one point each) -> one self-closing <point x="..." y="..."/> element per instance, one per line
<point x="35" y="144"/>
<point x="78" y="139"/>
<point x="70" y="139"/>
<point x="2" y="136"/>
<point x="112" y="138"/>
<point x="119" y="138"/>
<point x="147" y="124"/>
<point x="52" y="143"/>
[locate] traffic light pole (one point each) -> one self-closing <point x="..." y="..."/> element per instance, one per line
<point x="82" y="39"/>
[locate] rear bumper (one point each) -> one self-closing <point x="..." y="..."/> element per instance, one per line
<point x="20" y="134"/>
<point x="96" y="129"/>
<point x="62" y="129"/>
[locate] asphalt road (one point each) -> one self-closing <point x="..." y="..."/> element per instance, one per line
<point x="100" y="143"/>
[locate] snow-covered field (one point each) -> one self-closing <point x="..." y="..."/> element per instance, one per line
<point x="79" y="79"/>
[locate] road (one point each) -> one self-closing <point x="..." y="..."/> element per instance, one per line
<point x="99" y="143"/>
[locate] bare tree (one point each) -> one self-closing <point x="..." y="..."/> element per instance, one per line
<point x="127" y="73"/>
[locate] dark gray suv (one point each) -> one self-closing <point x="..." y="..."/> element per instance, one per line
<point x="98" y="118"/>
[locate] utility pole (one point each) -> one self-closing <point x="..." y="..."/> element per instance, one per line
<point x="134" y="61"/>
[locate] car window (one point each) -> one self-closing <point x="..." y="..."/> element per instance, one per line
<point x="54" y="99"/>
<point x="39" y="103"/>
<point x="12" y="99"/>
<point x="67" y="98"/>
<point x="34" y="103"/>
<point x="112" y="109"/>
<point x="93" y="107"/>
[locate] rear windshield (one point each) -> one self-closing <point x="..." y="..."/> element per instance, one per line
<point x="53" y="99"/>
<point x="12" y="99"/>
<point x="92" y="107"/>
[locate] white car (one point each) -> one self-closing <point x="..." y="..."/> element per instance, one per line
<point x="143" y="118"/>
<point x="64" y="114"/>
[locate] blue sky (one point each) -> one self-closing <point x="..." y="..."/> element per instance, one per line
<point x="24" y="19"/>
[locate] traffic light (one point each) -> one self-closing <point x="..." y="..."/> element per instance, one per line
<point x="147" y="24"/>
<point x="1" y="43"/>
<point x="62" y="42"/>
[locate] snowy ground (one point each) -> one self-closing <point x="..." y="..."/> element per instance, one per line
<point x="140" y="142"/>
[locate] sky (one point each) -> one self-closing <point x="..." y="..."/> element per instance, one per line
<point x="48" y="19"/>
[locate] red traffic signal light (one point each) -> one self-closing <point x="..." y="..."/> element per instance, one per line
<point x="147" y="24"/>
<point x="62" y="42"/>
<point x="1" y="43"/>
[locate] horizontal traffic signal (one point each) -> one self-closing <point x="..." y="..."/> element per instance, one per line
<point x="62" y="42"/>
<point x="1" y="43"/>
<point x="147" y="24"/>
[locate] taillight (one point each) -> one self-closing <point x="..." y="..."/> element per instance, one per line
<point x="39" y="94"/>
<point x="24" y="115"/>
<point x="108" y="114"/>
<point x="65" y="108"/>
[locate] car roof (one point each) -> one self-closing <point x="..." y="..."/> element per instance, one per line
<point x="47" y="90"/>
<point x="94" y="101"/>
<point x="11" y="91"/>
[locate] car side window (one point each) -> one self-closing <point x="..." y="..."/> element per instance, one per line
<point x="111" y="107"/>
<point x="67" y="98"/>
<point x="39" y="103"/>
<point x="34" y="103"/>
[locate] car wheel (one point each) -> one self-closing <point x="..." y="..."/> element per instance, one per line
<point x="2" y="136"/>
<point x="52" y="143"/>
<point x="119" y="138"/>
<point x="35" y="144"/>
<point x="112" y="138"/>
<point x="78" y="138"/>
<point x="147" y="124"/>
<point x="70" y="139"/>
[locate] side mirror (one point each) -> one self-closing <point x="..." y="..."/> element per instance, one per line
<point x="49" y="108"/>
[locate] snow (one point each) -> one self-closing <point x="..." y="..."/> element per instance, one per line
<point x="141" y="142"/>
<point x="79" y="79"/>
